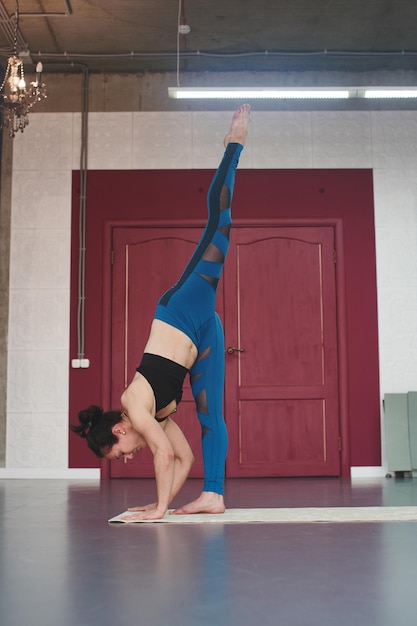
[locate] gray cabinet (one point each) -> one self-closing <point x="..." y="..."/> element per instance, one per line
<point x="401" y="431"/>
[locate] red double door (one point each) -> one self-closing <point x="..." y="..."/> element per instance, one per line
<point x="277" y="300"/>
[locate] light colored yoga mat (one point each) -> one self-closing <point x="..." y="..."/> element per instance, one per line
<point x="247" y="516"/>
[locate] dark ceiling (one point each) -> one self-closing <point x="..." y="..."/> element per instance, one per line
<point x="226" y="35"/>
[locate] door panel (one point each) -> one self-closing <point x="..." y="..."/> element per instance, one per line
<point x="286" y="306"/>
<point x="259" y="436"/>
<point x="147" y="261"/>
<point x="282" y="390"/>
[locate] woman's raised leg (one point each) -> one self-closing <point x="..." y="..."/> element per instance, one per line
<point x="202" y="276"/>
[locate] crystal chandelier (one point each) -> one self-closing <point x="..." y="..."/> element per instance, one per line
<point x="16" y="99"/>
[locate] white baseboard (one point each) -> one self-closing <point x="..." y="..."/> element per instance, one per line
<point x="74" y="473"/>
<point x="368" y="472"/>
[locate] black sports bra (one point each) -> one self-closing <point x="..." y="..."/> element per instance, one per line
<point x="166" y="378"/>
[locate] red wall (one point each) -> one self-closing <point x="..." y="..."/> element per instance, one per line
<point x="179" y="196"/>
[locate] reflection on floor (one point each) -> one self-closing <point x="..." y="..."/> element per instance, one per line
<point x="61" y="564"/>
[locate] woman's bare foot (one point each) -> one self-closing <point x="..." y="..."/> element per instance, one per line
<point x="208" y="502"/>
<point x="239" y="127"/>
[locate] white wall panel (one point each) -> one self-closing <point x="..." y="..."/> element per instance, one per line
<point x="40" y="319"/>
<point x="341" y="140"/>
<point x="394" y="139"/>
<point x="38" y="381"/>
<point x="39" y="259"/>
<point x="162" y="140"/>
<point x="40" y="200"/>
<point x="37" y="440"/>
<point x="38" y="341"/>
<point x="281" y="140"/>
<point x="396" y="247"/>
<point x="109" y="141"/>
<point x="46" y="143"/>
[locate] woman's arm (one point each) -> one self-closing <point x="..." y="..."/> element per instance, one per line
<point x="163" y="454"/>
<point x="164" y="465"/>
<point x="184" y="457"/>
<point x="183" y="462"/>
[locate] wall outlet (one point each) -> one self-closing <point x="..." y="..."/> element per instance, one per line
<point x="80" y="363"/>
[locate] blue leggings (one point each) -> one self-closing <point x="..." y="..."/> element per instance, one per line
<point x="190" y="306"/>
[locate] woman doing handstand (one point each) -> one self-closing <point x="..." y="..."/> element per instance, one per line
<point x="186" y="336"/>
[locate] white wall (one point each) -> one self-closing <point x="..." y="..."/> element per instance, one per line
<point x="45" y="154"/>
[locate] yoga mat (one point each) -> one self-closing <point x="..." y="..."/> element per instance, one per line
<point x="300" y="515"/>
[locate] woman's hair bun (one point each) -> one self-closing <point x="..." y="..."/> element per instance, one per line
<point x="87" y="418"/>
<point x="90" y="415"/>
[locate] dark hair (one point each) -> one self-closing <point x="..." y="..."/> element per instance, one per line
<point x="96" y="426"/>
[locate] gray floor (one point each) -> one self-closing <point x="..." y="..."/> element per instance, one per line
<point x="61" y="564"/>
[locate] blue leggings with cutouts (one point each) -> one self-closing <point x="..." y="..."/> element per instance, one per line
<point x="190" y="306"/>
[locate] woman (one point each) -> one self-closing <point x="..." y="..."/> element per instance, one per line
<point x="186" y="336"/>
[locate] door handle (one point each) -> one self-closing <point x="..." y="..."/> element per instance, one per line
<point x="231" y="349"/>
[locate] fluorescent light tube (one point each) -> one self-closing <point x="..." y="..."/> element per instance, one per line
<point x="258" y="92"/>
<point x="391" y="92"/>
